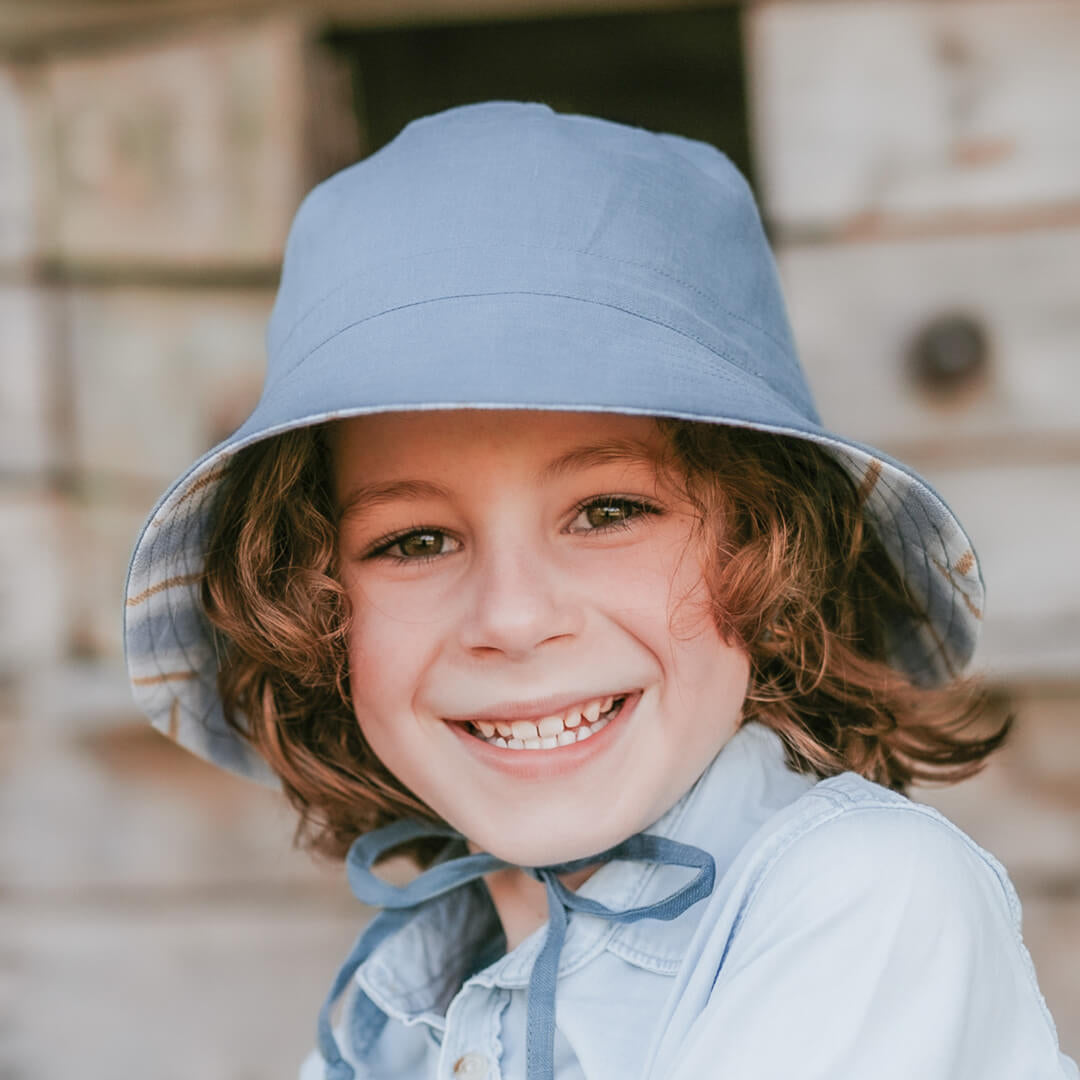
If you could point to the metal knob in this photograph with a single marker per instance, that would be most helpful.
(950, 354)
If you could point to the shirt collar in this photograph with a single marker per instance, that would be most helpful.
(414, 975)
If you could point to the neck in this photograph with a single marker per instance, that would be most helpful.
(521, 901)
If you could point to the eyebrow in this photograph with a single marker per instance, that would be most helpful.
(365, 497)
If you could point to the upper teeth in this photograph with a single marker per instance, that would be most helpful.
(547, 726)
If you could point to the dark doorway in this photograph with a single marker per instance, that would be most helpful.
(668, 71)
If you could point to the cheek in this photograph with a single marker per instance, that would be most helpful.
(385, 664)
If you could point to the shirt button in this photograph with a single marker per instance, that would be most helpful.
(471, 1067)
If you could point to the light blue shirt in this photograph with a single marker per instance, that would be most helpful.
(851, 933)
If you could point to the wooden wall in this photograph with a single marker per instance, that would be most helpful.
(918, 169)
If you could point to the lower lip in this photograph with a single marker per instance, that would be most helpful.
(543, 764)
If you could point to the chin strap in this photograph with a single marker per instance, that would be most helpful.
(401, 904)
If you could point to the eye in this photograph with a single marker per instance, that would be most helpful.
(606, 512)
(415, 546)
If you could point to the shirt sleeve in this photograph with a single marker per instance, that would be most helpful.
(882, 943)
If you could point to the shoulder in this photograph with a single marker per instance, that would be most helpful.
(849, 845)
(850, 836)
(870, 937)
(864, 875)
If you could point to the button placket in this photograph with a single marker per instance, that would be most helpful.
(472, 1066)
(469, 1049)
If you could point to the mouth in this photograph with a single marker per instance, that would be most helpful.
(564, 728)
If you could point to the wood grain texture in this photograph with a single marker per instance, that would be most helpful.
(1024, 521)
(22, 205)
(191, 992)
(857, 309)
(160, 375)
(186, 151)
(914, 108)
(26, 436)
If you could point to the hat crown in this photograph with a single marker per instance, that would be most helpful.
(509, 197)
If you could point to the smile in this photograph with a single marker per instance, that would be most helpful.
(571, 725)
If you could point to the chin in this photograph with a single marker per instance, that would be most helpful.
(550, 847)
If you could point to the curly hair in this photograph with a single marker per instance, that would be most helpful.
(797, 575)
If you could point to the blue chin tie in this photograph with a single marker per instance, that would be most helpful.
(400, 905)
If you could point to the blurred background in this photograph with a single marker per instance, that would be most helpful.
(918, 165)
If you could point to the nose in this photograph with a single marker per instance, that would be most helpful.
(517, 604)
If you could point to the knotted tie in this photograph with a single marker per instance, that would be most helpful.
(402, 904)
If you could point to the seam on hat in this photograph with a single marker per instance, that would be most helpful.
(523, 292)
(368, 271)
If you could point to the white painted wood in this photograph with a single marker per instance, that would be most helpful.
(856, 308)
(26, 443)
(102, 807)
(1025, 524)
(913, 108)
(33, 615)
(24, 25)
(20, 183)
(1024, 807)
(169, 991)
(161, 375)
(183, 151)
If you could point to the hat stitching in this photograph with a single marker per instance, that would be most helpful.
(369, 271)
(948, 575)
(908, 575)
(656, 320)
(167, 583)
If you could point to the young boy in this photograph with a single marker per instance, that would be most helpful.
(534, 560)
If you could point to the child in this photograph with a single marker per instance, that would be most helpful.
(534, 561)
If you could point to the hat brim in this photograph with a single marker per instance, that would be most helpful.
(512, 350)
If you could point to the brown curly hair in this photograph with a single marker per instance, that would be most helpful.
(798, 578)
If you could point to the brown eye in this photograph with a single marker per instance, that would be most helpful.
(602, 514)
(606, 513)
(419, 544)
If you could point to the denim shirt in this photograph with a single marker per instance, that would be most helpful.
(851, 933)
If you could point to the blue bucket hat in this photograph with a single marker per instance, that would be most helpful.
(503, 255)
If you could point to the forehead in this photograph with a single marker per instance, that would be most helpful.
(544, 440)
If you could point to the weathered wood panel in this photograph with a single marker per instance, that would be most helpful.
(161, 375)
(33, 614)
(1025, 524)
(1024, 807)
(20, 187)
(176, 991)
(98, 806)
(183, 151)
(61, 21)
(26, 437)
(858, 310)
(914, 108)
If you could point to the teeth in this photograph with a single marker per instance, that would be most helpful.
(550, 725)
(579, 723)
(524, 729)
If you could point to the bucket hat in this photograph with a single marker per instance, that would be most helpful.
(503, 255)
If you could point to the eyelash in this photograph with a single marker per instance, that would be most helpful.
(382, 546)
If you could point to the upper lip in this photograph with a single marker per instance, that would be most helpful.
(536, 708)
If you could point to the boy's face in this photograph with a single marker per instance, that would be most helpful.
(508, 566)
